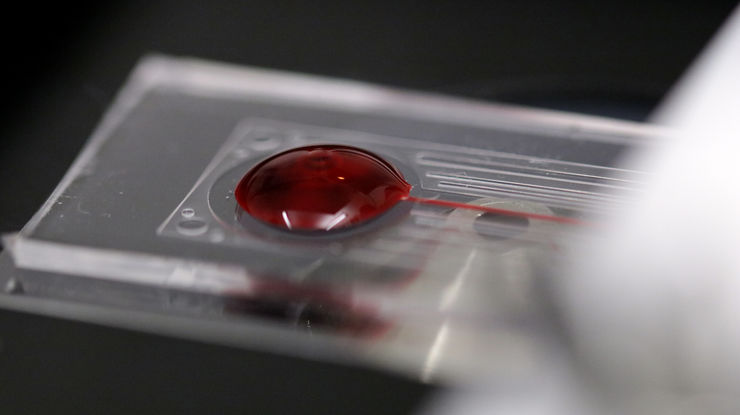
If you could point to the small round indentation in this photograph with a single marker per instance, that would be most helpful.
(500, 226)
(188, 212)
(264, 142)
(192, 227)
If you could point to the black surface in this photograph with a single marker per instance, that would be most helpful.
(61, 367)
(64, 63)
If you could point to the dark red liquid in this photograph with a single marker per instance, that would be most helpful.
(321, 188)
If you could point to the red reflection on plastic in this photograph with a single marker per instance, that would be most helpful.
(320, 188)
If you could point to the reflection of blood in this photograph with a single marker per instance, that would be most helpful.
(328, 187)
(308, 308)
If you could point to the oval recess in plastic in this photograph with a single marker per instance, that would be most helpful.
(321, 188)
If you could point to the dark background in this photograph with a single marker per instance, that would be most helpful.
(64, 63)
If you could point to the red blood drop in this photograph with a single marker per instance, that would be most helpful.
(320, 188)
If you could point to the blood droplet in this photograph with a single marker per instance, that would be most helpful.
(321, 188)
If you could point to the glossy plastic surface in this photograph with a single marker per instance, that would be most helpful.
(148, 219)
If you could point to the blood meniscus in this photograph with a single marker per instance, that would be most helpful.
(321, 188)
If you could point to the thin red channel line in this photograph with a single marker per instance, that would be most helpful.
(488, 209)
